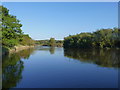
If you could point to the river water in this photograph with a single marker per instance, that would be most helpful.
(55, 67)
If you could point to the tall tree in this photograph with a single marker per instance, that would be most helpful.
(52, 42)
(11, 28)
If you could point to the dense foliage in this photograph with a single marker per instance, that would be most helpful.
(42, 42)
(12, 34)
(26, 40)
(103, 38)
(52, 42)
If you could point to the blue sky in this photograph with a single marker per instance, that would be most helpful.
(42, 20)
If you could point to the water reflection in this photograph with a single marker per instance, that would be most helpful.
(46, 48)
(103, 58)
(52, 50)
(12, 67)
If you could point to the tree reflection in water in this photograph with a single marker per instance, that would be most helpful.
(102, 57)
(46, 48)
(12, 67)
(52, 50)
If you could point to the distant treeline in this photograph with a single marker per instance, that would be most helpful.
(103, 38)
(10, 31)
(51, 42)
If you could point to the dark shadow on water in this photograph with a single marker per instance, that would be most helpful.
(101, 57)
(12, 67)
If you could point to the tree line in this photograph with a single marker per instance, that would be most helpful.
(10, 30)
(51, 42)
(103, 38)
(11, 35)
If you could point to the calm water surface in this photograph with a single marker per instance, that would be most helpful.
(49, 67)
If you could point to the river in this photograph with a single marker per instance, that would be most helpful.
(55, 67)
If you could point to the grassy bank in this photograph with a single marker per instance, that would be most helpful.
(6, 50)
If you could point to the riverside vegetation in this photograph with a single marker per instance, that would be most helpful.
(52, 42)
(103, 38)
(12, 35)
(71, 67)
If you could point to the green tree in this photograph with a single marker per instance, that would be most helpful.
(11, 28)
(26, 40)
(103, 38)
(52, 42)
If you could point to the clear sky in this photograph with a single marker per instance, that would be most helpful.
(42, 20)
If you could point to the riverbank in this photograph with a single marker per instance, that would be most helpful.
(15, 49)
